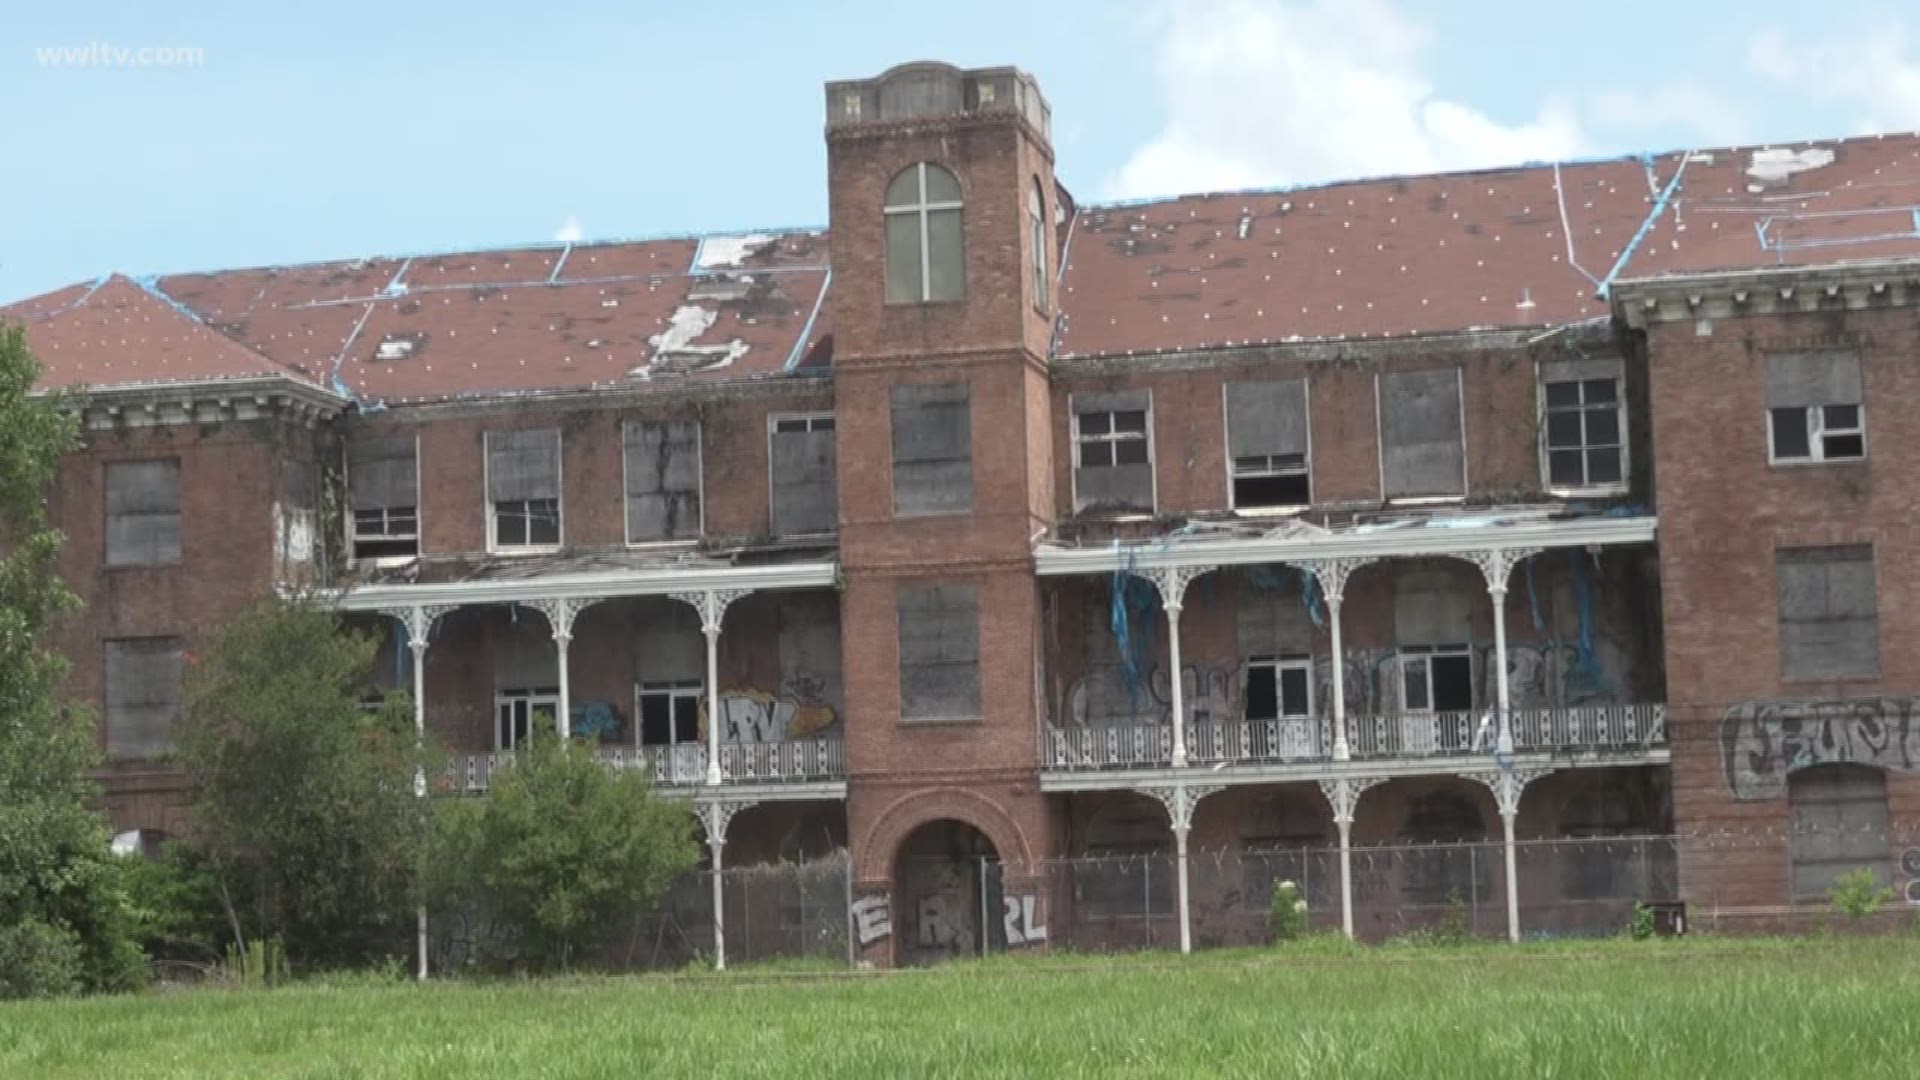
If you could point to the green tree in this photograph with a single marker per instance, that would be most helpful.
(64, 919)
(302, 796)
(561, 850)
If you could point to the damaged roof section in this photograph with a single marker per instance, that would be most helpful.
(553, 317)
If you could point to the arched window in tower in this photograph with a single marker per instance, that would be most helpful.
(1037, 240)
(926, 259)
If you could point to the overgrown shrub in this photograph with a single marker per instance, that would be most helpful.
(303, 797)
(63, 913)
(1642, 926)
(38, 959)
(1859, 894)
(1287, 913)
(178, 912)
(560, 850)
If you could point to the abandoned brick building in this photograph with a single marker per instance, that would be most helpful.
(1528, 503)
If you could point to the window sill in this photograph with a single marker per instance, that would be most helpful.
(900, 305)
(1829, 680)
(525, 549)
(142, 566)
(1815, 463)
(1272, 511)
(922, 515)
(384, 562)
(1604, 491)
(939, 721)
(664, 545)
(1426, 500)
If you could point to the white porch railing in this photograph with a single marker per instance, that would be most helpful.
(1403, 735)
(683, 765)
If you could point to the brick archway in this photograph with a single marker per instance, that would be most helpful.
(880, 842)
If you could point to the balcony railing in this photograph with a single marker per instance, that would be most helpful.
(684, 765)
(1404, 735)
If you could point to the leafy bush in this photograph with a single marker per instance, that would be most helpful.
(38, 959)
(177, 911)
(1287, 913)
(1642, 926)
(303, 798)
(1452, 927)
(1859, 894)
(559, 851)
(62, 909)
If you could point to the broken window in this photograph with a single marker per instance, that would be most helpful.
(143, 512)
(932, 449)
(1583, 424)
(1279, 687)
(925, 254)
(939, 652)
(143, 695)
(1436, 678)
(1813, 407)
(523, 488)
(1267, 444)
(668, 712)
(522, 711)
(1839, 825)
(1037, 239)
(383, 494)
(1112, 451)
(1422, 454)
(802, 463)
(1829, 618)
(663, 480)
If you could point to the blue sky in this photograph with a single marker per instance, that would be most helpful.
(318, 131)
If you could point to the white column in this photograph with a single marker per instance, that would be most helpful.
(417, 622)
(716, 816)
(1332, 574)
(1172, 582)
(1180, 877)
(563, 722)
(1180, 800)
(712, 605)
(711, 629)
(1497, 564)
(1343, 795)
(1507, 814)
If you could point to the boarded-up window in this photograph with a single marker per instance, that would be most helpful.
(1814, 410)
(1112, 451)
(383, 491)
(143, 512)
(1421, 448)
(810, 650)
(1267, 444)
(523, 487)
(668, 644)
(932, 449)
(803, 464)
(663, 480)
(1829, 620)
(1839, 826)
(939, 652)
(143, 695)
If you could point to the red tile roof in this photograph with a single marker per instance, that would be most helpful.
(1529, 246)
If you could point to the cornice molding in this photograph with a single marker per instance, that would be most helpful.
(203, 401)
(1778, 290)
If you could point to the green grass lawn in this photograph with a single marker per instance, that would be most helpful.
(1743, 1009)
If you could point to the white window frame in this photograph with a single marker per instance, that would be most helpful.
(1817, 430)
(1610, 487)
(352, 522)
(494, 546)
(1288, 662)
(1425, 655)
(531, 697)
(774, 420)
(700, 466)
(1112, 439)
(924, 210)
(674, 690)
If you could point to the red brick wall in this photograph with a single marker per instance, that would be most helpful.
(1724, 511)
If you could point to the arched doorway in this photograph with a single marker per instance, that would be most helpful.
(948, 875)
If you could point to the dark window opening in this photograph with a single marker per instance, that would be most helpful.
(1269, 491)
(526, 522)
(669, 714)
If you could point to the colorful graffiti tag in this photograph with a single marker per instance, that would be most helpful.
(1761, 742)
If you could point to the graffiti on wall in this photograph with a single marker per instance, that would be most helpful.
(1539, 675)
(1019, 922)
(1761, 742)
(872, 919)
(749, 716)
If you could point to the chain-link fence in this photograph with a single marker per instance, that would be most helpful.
(1756, 881)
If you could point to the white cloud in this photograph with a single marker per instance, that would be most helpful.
(569, 231)
(1875, 72)
(1705, 115)
(1271, 92)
